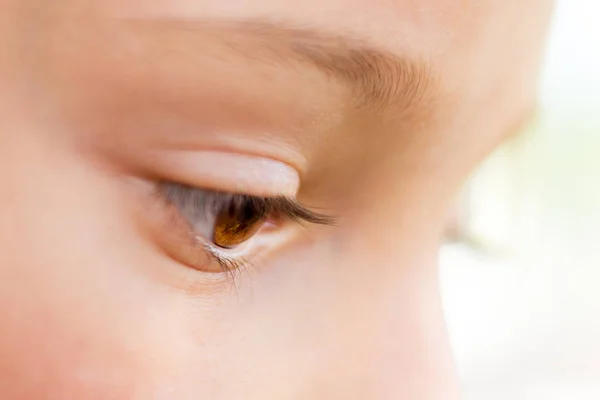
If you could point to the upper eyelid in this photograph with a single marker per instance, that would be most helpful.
(255, 175)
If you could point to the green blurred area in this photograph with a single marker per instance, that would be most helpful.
(541, 189)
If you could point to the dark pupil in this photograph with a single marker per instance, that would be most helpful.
(238, 221)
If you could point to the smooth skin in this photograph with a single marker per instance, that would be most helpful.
(374, 111)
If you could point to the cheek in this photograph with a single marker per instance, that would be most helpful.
(51, 353)
(78, 320)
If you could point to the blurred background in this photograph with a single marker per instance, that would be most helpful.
(521, 277)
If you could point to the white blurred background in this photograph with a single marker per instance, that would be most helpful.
(522, 288)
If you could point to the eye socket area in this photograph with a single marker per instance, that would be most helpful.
(213, 231)
(204, 230)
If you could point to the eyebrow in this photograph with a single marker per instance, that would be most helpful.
(377, 78)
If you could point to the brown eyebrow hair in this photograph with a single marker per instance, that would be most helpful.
(377, 77)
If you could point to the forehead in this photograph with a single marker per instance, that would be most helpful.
(401, 25)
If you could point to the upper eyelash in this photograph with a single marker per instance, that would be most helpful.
(210, 200)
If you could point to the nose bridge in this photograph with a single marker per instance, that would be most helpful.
(359, 317)
(392, 341)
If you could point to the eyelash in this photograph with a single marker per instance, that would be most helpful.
(195, 203)
(227, 264)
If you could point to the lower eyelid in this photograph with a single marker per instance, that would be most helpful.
(227, 262)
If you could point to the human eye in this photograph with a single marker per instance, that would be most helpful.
(215, 231)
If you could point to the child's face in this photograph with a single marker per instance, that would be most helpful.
(124, 276)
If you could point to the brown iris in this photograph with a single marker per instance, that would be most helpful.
(238, 221)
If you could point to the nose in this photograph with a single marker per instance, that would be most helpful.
(350, 320)
(393, 342)
(377, 328)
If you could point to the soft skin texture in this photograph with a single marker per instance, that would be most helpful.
(100, 99)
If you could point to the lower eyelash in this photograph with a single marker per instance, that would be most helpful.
(228, 264)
